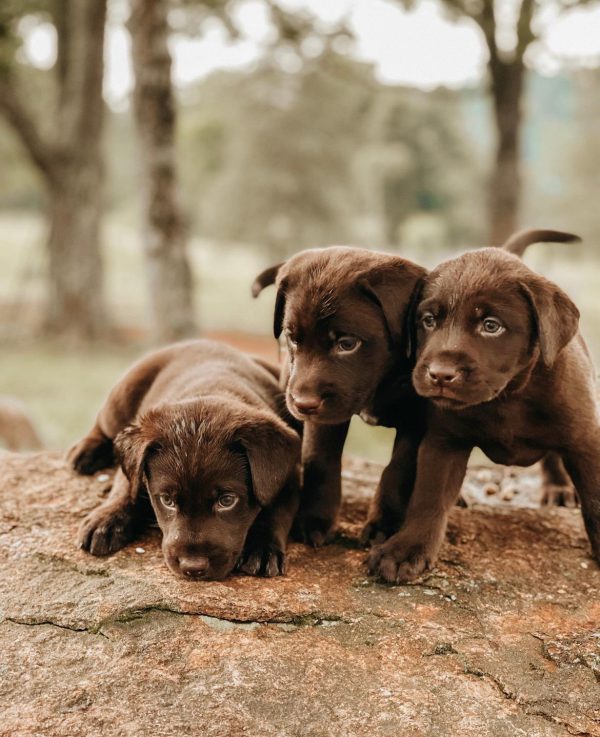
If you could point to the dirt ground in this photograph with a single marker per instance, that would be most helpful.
(501, 639)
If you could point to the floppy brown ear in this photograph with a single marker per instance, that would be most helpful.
(265, 279)
(410, 323)
(273, 451)
(392, 287)
(555, 316)
(132, 447)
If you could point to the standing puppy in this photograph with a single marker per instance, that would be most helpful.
(500, 360)
(343, 313)
(201, 430)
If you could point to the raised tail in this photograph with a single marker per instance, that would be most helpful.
(519, 242)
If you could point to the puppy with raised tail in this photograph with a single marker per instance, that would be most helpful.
(202, 435)
(503, 367)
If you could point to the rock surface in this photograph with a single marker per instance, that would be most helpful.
(502, 639)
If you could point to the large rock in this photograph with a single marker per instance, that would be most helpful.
(502, 639)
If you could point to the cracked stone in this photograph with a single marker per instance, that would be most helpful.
(118, 646)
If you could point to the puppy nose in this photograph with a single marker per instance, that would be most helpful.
(442, 373)
(307, 404)
(193, 567)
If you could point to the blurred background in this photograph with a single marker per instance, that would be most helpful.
(156, 154)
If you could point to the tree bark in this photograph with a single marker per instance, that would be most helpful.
(71, 165)
(164, 231)
(505, 181)
(75, 264)
(507, 73)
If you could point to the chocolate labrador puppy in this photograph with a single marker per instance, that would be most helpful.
(503, 367)
(201, 432)
(342, 311)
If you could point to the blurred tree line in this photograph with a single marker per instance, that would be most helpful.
(304, 148)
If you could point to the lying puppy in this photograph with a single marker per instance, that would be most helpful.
(500, 360)
(202, 429)
(342, 312)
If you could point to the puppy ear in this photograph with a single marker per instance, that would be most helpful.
(555, 316)
(132, 447)
(392, 287)
(273, 451)
(265, 279)
(410, 323)
(279, 309)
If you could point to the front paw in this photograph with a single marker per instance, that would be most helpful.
(106, 530)
(554, 495)
(91, 454)
(267, 560)
(313, 529)
(375, 532)
(400, 559)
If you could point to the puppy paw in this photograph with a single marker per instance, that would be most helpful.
(313, 530)
(91, 454)
(554, 495)
(400, 560)
(268, 560)
(106, 530)
(375, 532)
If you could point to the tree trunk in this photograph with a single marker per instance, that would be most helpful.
(71, 165)
(164, 231)
(75, 299)
(75, 302)
(505, 184)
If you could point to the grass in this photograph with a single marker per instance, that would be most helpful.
(64, 385)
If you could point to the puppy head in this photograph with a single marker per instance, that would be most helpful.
(343, 313)
(209, 467)
(484, 320)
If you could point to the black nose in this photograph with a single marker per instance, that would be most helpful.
(307, 404)
(442, 373)
(194, 567)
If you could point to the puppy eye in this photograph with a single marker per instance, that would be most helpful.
(227, 501)
(491, 326)
(428, 321)
(167, 501)
(347, 344)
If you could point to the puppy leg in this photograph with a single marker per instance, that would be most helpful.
(95, 451)
(440, 473)
(114, 523)
(321, 495)
(389, 504)
(265, 549)
(557, 487)
(583, 465)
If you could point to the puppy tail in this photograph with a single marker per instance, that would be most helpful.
(265, 279)
(519, 242)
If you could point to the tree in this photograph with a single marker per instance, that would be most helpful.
(506, 71)
(286, 177)
(66, 153)
(164, 230)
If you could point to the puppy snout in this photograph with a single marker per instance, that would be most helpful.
(442, 374)
(195, 567)
(307, 404)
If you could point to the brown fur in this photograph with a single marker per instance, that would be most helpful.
(195, 425)
(519, 393)
(326, 299)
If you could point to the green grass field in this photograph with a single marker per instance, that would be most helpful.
(64, 385)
